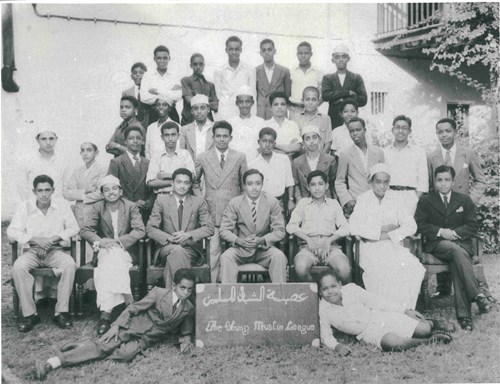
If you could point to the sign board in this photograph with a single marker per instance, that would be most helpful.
(257, 314)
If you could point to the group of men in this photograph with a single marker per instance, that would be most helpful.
(243, 182)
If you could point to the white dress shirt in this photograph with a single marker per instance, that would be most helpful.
(363, 156)
(269, 72)
(154, 142)
(164, 85)
(341, 139)
(288, 133)
(341, 78)
(313, 163)
(408, 167)
(277, 173)
(246, 134)
(163, 162)
(201, 136)
(312, 77)
(453, 151)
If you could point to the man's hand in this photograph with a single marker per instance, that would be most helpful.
(180, 237)
(352, 93)
(108, 243)
(342, 349)
(312, 246)
(323, 251)
(349, 207)
(112, 333)
(140, 203)
(291, 206)
(164, 175)
(449, 234)
(43, 242)
(414, 314)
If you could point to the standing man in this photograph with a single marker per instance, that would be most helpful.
(42, 225)
(407, 164)
(252, 223)
(161, 82)
(223, 169)
(304, 75)
(271, 77)
(231, 77)
(341, 85)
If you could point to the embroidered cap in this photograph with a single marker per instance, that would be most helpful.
(42, 128)
(341, 48)
(379, 167)
(310, 129)
(244, 90)
(199, 99)
(109, 179)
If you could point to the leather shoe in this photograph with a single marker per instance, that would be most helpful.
(63, 320)
(27, 323)
(42, 368)
(483, 304)
(440, 326)
(103, 326)
(466, 323)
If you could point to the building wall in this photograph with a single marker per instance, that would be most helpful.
(71, 73)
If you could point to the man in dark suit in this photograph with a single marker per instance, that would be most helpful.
(131, 169)
(163, 311)
(271, 77)
(341, 85)
(251, 224)
(448, 221)
(178, 221)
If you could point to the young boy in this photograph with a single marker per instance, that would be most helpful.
(136, 73)
(303, 75)
(131, 169)
(178, 222)
(222, 169)
(112, 237)
(341, 139)
(354, 166)
(288, 140)
(163, 311)
(373, 319)
(271, 77)
(319, 223)
(311, 116)
(154, 143)
(276, 168)
(246, 127)
(196, 137)
(196, 84)
(341, 85)
(128, 109)
(164, 163)
(313, 159)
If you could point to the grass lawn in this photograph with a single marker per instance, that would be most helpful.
(471, 357)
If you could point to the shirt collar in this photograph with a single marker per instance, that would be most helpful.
(251, 201)
(165, 153)
(311, 201)
(452, 149)
(32, 207)
(241, 64)
(132, 156)
(220, 153)
(198, 77)
(174, 297)
(442, 196)
(311, 68)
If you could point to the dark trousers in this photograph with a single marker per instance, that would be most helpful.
(462, 273)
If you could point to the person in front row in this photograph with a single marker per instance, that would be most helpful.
(373, 319)
(354, 166)
(222, 169)
(382, 221)
(112, 228)
(142, 324)
(319, 223)
(178, 221)
(42, 224)
(448, 221)
(251, 224)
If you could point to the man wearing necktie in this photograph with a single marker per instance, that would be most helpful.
(251, 224)
(448, 221)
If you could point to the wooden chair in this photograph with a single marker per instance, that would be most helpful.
(86, 272)
(154, 274)
(40, 272)
(347, 248)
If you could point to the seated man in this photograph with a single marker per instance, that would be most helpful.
(319, 222)
(163, 311)
(373, 319)
(448, 221)
(178, 221)
(112, 227)
(251, 224)
(42, 224)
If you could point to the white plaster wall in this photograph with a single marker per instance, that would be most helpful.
(71, 73)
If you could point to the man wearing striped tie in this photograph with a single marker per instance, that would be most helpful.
(251, 224)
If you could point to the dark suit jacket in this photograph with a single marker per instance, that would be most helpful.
(221, 185)
(142, 111)
(119, 137)
(460, 216)
(334, 93)
(133, 182)
(300, 168)
(152, 318)
(98, 224)
(466, 163)
(280, 81)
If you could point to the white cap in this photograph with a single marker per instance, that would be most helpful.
(109, 179)
(166, 98)
(379, 167)
(310, 129)
(199, 99)
(42, 128)
(244, 90)
(341, 48)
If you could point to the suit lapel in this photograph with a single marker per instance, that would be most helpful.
(186, 213)
(261, 73)
(323, 163)
(459, 161)
(121, 218)
(454, 203)
(128, 166)
(348, 80)
(214, 162)
(437, 203)
(372, 157)
(356, 160)
(246, 213)
(262, 213)
(229, 164)
(174, 212)
(106, 217)
(209, 142)
(191, 137)
(304, 165)
(275, 77)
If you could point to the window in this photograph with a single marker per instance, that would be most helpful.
(378, 100)
(460, 113)
(419, 12)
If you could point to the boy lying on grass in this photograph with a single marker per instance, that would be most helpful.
(373, 319)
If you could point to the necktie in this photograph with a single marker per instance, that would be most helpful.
(180, 211)
(176, 305)
(445, 200)
(222, 161)
(447, 159)
(139, 94)
(254, 212)
(137, 165)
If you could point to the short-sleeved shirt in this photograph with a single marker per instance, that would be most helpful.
(246, 135)
(300, 80)
(163, 162)
(288, 133)
(277, 173)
